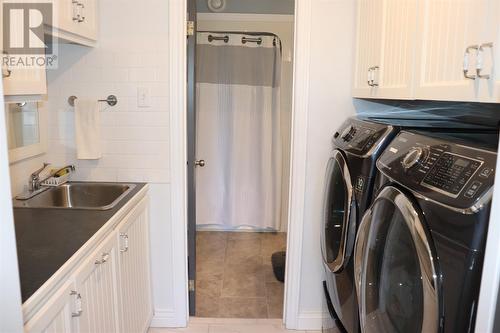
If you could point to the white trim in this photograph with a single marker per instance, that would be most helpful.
(164, 318)
(244, 17)
(488, 294)
(298, 164)
(309, 320)
(177, 10)
(177, 40)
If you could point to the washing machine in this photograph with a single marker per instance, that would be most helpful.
(347, 194)
(420, 245)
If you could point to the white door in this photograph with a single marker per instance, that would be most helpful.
(134, 276)
(58, 314)
(490, 56)
(368, 47)
(450, 31)
(96, 286)
(398, 46)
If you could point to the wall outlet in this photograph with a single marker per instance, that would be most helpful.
(143, 97)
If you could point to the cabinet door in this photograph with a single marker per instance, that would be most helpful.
(76, 20)
(21, 81)
(368, 46)
(56, 316)
(449, 27)
(490, 55)
(399, 33)
(134, 271)
(96, 283)
(87, 26)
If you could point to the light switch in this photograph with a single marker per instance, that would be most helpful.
(143, 97)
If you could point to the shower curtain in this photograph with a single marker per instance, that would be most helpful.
(238, 131)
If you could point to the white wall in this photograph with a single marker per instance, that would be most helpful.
(330, 102)
(283, 27)
(132, 52)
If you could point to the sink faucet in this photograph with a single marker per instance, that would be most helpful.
(35, 183)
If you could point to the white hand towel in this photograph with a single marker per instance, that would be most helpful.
(87, 130)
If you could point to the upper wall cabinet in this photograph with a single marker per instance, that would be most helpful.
(385, 51)
(75, 21)
(449, 53)
(452, 50)
(19, 82)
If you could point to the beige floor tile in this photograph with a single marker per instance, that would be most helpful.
(193, 328)
(238, 250)
(209, 287)
(242, 272)
(208, 307)
(236, 307)
(238, 284)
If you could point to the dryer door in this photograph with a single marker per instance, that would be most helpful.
(396, 268)
(339, 215)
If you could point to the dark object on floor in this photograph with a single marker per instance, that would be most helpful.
(278, 260)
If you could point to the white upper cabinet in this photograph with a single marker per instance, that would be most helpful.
(368, 41)
(396, 73)
(75, 21)
(429, 50)
(451, 34)
(19, 81)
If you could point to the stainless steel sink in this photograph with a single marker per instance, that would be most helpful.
(79, 195)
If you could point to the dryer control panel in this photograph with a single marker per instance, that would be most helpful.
(449, 172)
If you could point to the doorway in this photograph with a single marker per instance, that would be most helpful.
(239, 123)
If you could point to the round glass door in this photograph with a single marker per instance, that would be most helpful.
(395, 268)
(337, 231)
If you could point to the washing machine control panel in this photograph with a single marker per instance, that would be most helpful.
(360, 137)
(445, 171)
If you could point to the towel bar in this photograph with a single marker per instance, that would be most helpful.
(111, 100)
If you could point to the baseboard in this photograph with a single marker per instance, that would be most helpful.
(309, 320)
(166, 318)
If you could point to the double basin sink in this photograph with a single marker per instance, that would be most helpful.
(78, 195)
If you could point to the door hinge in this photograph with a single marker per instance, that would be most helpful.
(191, 285)
(190, 28)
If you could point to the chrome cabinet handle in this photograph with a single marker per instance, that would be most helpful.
(7, 70)
(376, 70)
(466, 61)
(78, 304)
(370, 79)
(124, 236)
(76, 15)
(480, 63)
(200, 163)
(82, 12)
(104, 259)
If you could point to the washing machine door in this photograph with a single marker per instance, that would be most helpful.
(396, 269)
(339, 215)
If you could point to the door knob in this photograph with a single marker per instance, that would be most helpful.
(200, 163)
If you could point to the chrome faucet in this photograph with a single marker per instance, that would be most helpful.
(35, 183)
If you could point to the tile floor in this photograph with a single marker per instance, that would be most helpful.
(216, 325)
(235, 277)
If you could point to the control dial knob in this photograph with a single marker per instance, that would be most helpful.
(415, 156)
(348, 133)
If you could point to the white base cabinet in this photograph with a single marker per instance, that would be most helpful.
(133, 267)
(109, 290)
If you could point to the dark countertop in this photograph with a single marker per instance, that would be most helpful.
(47, 238)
